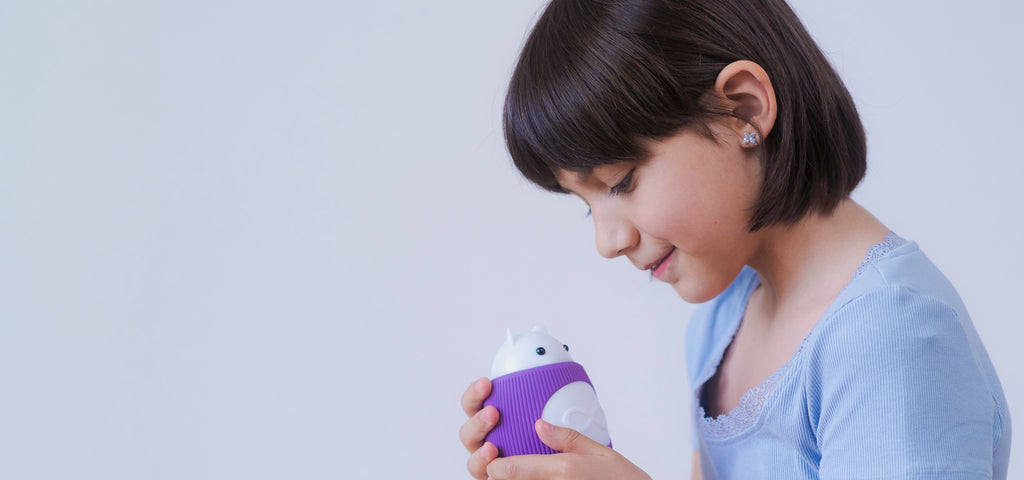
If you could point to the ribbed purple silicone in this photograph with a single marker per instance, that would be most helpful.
(520, 398)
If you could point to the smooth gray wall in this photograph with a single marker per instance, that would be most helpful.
(263, 240)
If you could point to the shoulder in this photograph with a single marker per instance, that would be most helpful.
(888, 325)
(896, 360)
(902, 268)
(895, 304)
(897, 308)
(898, 337)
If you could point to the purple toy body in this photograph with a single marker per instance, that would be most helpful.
(520, 398)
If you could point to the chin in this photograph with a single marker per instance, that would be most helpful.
(701, 291)
(696, 295)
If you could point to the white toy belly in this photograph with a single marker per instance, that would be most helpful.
(575, 406)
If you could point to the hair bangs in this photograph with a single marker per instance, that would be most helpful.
(591, 101)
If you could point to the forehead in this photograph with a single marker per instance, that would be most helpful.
(599, 177)
(573, 176)
(570, 180)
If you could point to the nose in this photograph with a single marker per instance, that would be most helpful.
(614, 234)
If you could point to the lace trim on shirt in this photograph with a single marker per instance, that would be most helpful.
(747, 412)
(744, 415)
(879, 250)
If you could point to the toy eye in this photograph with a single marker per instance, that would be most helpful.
(541, 351)
(566, 347)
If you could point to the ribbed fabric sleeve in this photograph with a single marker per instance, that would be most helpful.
(927, 411)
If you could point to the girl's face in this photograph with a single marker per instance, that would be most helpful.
(682, 213)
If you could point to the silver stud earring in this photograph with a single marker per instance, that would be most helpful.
(751, 139)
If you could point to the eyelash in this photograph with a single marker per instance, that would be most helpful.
(625, 186)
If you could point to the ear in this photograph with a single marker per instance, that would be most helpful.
(748, 92)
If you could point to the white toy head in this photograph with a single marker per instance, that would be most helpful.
(528, 350)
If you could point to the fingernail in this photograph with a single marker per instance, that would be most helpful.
(545, 426)
(480, 387)
(487, 416)
(490, 452)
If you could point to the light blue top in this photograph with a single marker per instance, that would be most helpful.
(891, 383)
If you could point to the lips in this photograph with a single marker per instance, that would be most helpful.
(659, 268)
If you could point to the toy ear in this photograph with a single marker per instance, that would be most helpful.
(539, 329)
(508, 337)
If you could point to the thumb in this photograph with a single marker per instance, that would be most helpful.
(565, 440)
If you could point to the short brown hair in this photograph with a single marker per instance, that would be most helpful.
(598, 77)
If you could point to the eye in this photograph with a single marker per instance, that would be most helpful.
(624, 186)
(566, 347)
(541, 351)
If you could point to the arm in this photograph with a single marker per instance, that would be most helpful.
(696, 466)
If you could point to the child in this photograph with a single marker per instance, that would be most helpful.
(717, 148)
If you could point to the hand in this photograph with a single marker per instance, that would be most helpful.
(475, 430)
(581, 458)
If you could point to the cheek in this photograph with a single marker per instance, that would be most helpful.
(666, 217)
(675, 211)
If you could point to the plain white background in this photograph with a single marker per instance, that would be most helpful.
(264, 240)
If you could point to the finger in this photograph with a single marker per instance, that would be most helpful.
(475, 430)
(479, 459)
(566, 439)
(475, 395)
(531, 467)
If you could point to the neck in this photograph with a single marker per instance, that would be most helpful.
(804, 265)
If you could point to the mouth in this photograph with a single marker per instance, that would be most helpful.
(661, 265)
